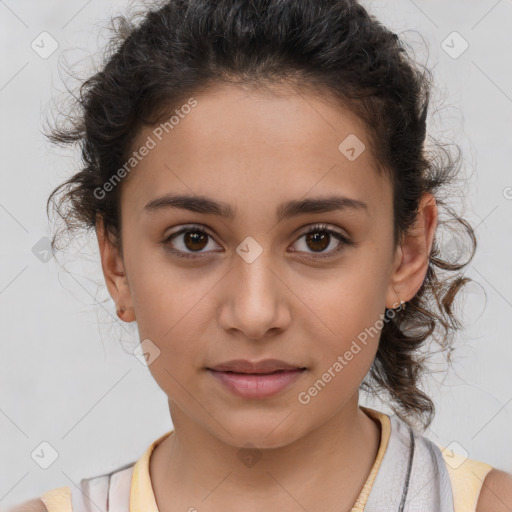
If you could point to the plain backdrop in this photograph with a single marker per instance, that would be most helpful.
(71, 390)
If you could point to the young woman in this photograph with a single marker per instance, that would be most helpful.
(265, 205)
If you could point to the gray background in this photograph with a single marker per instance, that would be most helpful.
(67, 377)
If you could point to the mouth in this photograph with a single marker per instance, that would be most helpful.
(258, 385)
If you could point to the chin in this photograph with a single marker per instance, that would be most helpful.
(259, 434)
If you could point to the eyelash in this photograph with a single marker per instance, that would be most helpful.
(323, 228)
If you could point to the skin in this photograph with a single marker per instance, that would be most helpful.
(254, 150)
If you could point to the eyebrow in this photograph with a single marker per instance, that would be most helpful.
(206, 205)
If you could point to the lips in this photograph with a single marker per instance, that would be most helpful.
(252, 386)
(266, 366)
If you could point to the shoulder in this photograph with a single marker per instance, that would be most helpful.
(496, 492)
(35, 505)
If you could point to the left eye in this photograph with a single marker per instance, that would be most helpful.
(195, 239)
(320, 237)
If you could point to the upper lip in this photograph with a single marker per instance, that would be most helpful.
(245, 366)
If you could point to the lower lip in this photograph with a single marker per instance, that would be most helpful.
(249, 385)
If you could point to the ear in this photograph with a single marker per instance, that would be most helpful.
(114, 273)
(412, 258)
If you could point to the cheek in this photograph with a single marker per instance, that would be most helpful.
(345, 317)
(173, 310)
(172, 324)
(342, 357)
(171, 313)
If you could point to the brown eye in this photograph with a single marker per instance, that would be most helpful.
(195, 240)
(318, 241)
(318, 238)
(187, 241)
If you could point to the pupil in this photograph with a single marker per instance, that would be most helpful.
(319, 236)
(195, 237)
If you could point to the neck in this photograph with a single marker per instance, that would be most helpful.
(326, 467)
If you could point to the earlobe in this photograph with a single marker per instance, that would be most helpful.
(114, 273)
(414, 251)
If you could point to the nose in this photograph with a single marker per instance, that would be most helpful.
(256, 299)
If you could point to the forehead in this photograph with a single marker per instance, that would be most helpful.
(261, 146)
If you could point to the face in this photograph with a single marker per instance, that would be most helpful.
(206, 288)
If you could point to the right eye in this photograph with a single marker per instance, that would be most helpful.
(194, 240)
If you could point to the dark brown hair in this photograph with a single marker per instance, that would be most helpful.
(165, 54)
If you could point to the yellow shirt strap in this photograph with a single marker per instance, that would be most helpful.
(467, 477)
(385, 432)
(142, 497)
(57, 500)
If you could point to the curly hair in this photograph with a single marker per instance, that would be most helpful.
(159, 56)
